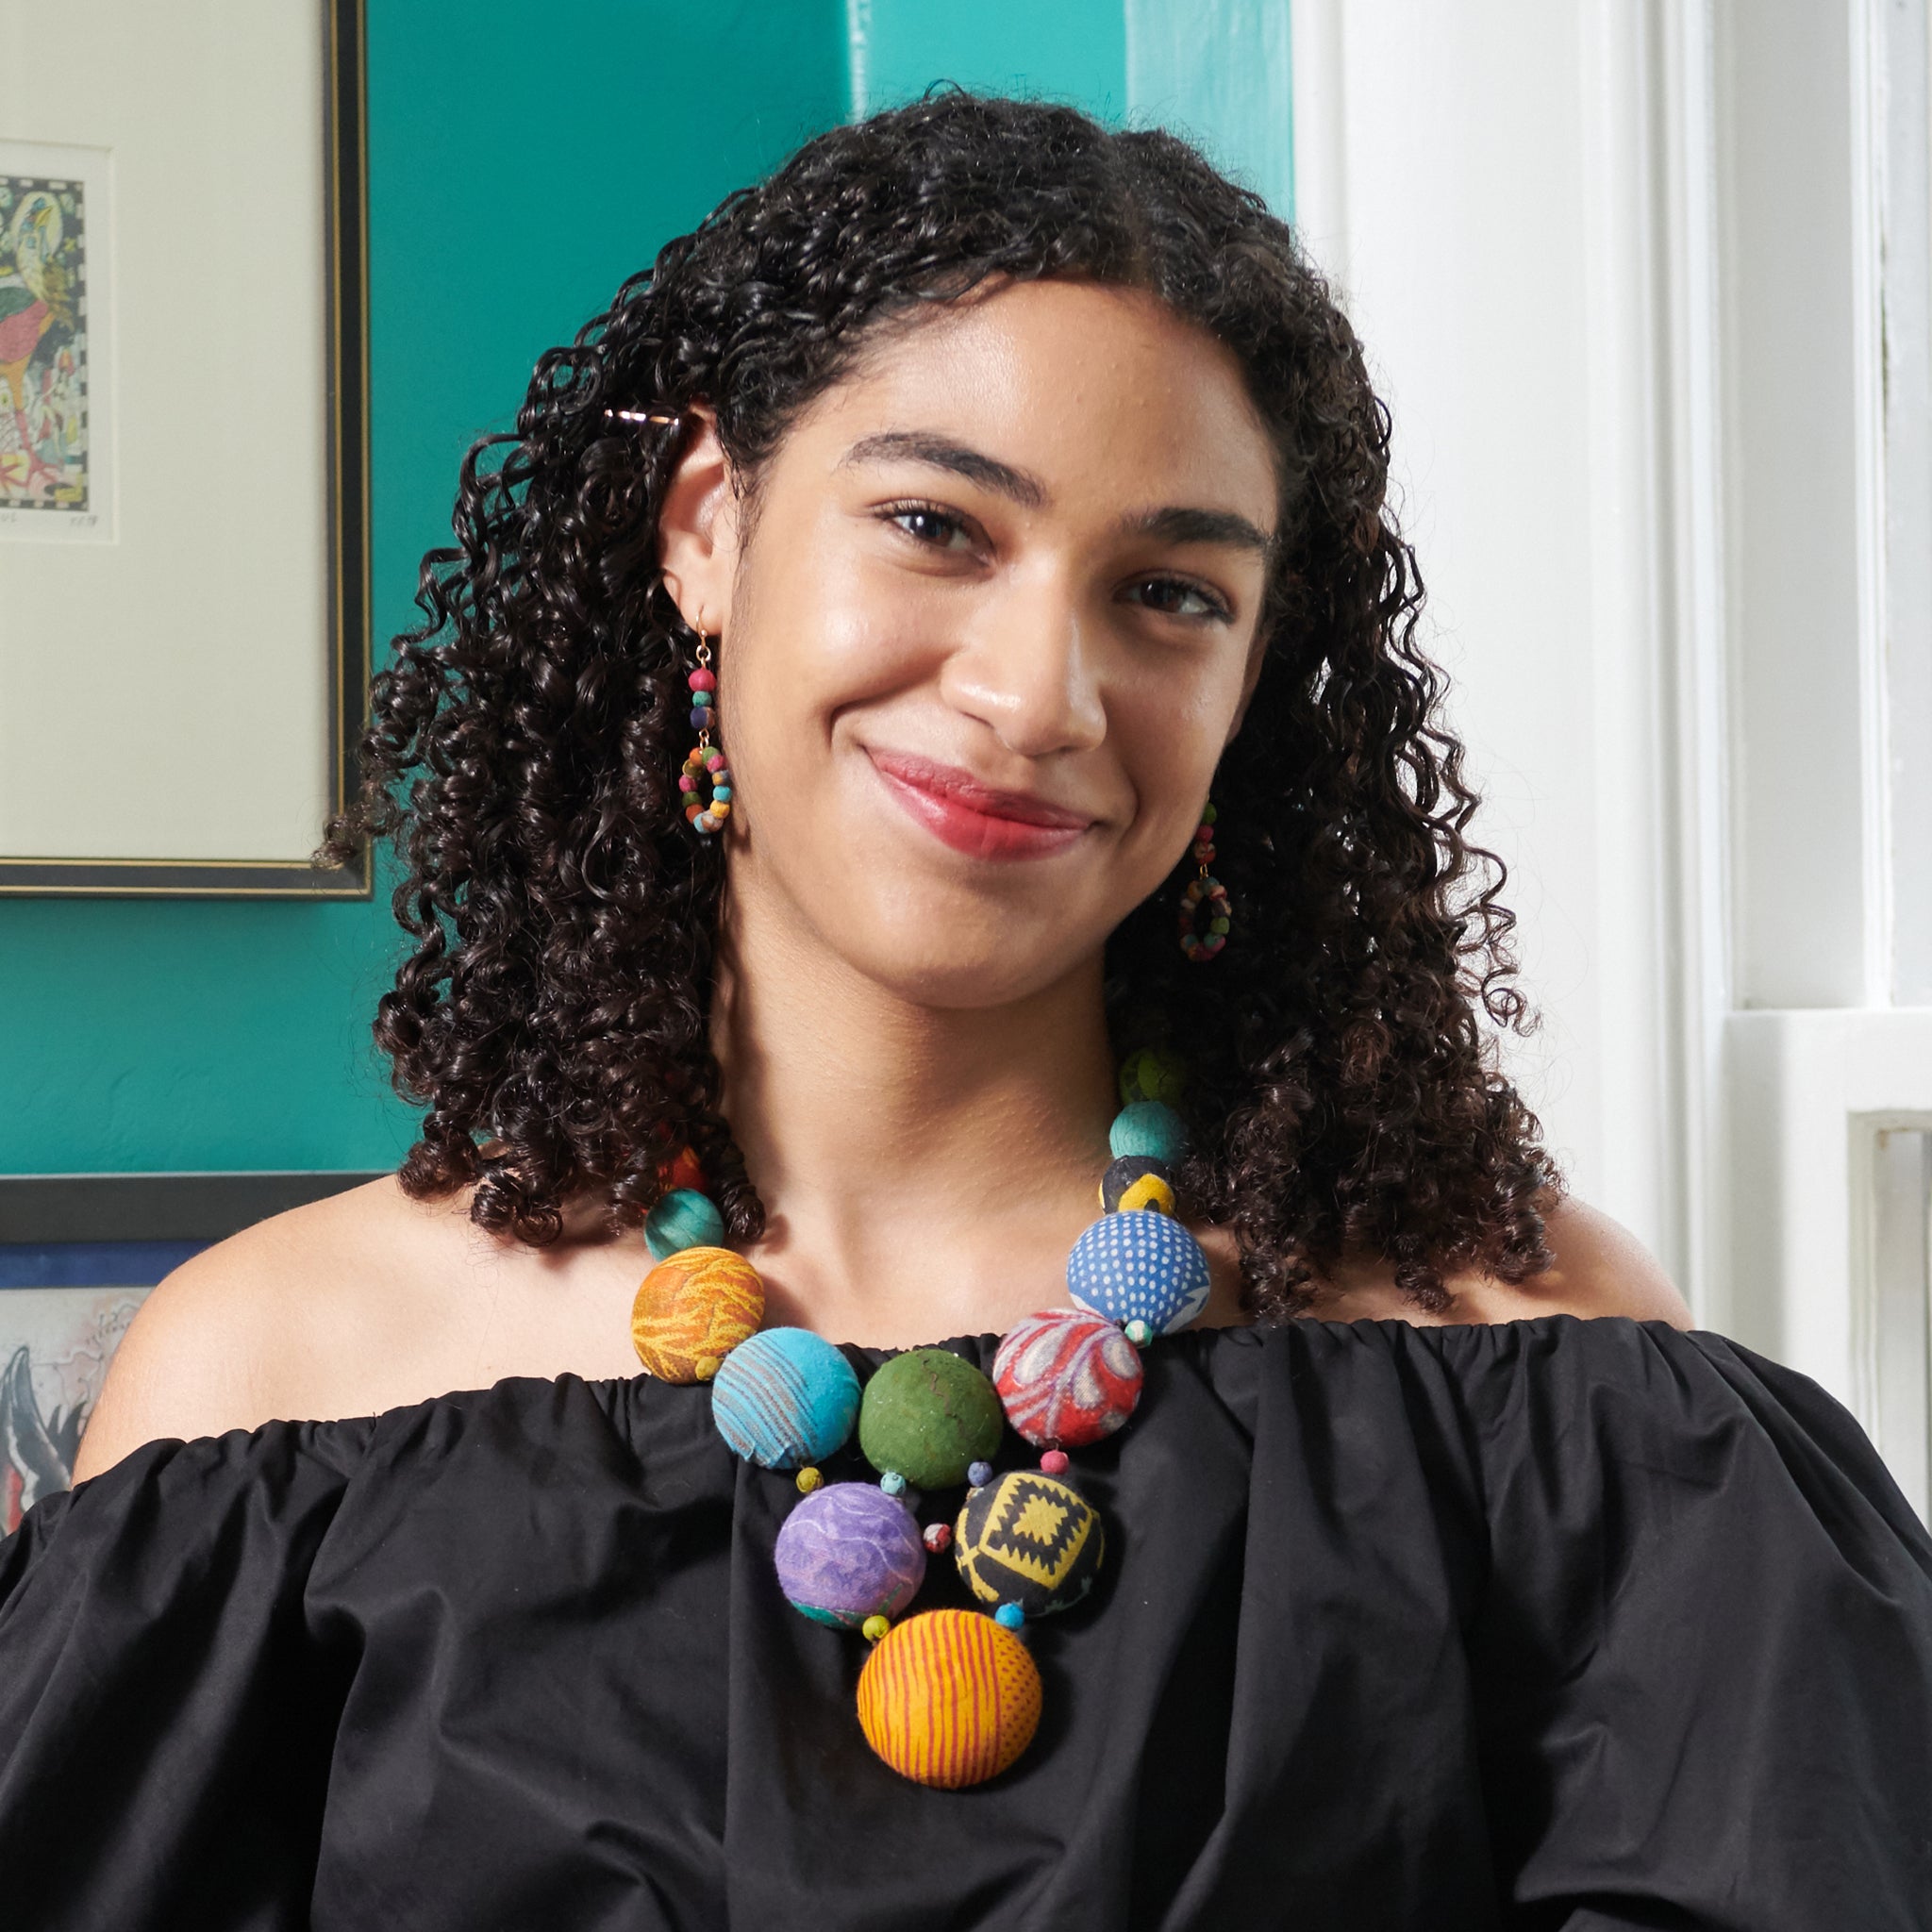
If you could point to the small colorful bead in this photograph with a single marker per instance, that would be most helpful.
(1139, 1267)
(785, 1397)
(938, 1535)
(692, 1310)
(682, 1219)
(1066, 1377)
(1028, 1538)
(848, 1553)
(929, 1414)
(979, 1473)
(893, 1483)
(1009, 1617)
(875, 1628)
(808, 1479)
(1054, 1462)
(949, 1698)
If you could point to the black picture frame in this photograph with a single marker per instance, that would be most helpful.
(342, 24)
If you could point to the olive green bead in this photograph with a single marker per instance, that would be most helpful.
(1152, 1073)
(928, 1415)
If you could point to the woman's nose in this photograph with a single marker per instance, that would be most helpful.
(1030, 670)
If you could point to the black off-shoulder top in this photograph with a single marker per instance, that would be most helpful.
(1552, 1623)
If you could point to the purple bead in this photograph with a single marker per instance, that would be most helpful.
(700, 717)
(849, 1552)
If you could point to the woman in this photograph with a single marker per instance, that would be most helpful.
(1022, 487)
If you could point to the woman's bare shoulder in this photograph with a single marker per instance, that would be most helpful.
(273, 1321)
(1598, 1268)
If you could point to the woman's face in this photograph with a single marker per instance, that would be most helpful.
(995, 620)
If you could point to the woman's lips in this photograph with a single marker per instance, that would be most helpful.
(975, 818)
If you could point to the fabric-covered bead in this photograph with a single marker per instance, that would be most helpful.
(808, 1479)
(1140, 1266)
(849, 1552)
(1153, 1072)
(1066, 1377)
(929, 1414)
(682, 1170)
(785, 1397)
(1150, 1128)
(949, 1698)
(977, 1472)
(1137, 1180)
(1009, 1617)
(876, 1627)
(1028, 1538)
(682, 1219)
(1054, 1462)
(938, 1535)
(692, 1310)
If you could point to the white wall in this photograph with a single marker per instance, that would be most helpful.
(1648, 284)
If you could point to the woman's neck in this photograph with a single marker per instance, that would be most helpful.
(923, 1169)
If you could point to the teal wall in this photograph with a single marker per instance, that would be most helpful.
(512, 186)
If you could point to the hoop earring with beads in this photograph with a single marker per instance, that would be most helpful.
(1203, 891)
(703, 764)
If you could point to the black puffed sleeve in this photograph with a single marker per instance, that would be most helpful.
(167, 1712)
(1704, 1651)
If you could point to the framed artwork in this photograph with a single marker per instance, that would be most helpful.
(78, 1255)
(183, 448)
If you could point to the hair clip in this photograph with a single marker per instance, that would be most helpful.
(639, 416)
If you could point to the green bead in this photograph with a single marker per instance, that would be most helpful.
(1150, 1128)
(1208, 814)
(928, 1415)
(1217, 926)
(682, 1219)
(1152, 1073)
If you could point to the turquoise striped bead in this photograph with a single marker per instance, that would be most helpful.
(785, 1397)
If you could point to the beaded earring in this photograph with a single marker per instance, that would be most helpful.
(703, 764)
(1206, 890)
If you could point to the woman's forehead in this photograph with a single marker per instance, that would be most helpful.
(1077, 387)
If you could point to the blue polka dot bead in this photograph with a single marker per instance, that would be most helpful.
(785, 1397)
(1140, 1267)
(1150, 1128)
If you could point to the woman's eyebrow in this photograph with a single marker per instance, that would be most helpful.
(1175, 524)
(1171, 524)
(943, 453)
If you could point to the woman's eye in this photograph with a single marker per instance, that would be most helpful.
(1171, 597)
(927, 524)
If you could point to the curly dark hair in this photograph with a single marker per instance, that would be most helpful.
(551, 1017)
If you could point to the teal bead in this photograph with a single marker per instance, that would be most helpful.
(1150, 1128)
(683, 1219)
(719, 791)
(701, 697)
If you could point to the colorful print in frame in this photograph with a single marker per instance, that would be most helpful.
(44, 345)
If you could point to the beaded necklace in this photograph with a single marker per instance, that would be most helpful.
(946, 1697)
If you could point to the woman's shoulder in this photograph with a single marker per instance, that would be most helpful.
(1598, 1268)
(345, 1307)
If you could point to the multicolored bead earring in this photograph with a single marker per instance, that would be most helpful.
(703, 764)
(1206, 890)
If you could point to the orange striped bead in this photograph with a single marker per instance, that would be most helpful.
(692, 1310)
(949, 1698)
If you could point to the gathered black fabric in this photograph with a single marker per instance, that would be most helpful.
(1552, 1623)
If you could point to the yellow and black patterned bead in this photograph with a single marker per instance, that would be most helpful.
(1137, 1180)
(1030, 1539)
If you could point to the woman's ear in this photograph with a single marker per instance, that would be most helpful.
(697, 526)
